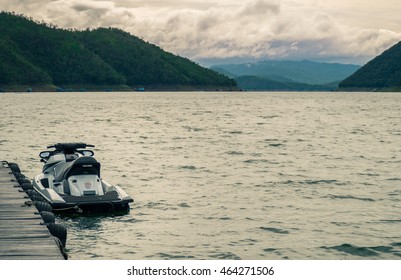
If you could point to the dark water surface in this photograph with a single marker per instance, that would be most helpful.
(227, 175)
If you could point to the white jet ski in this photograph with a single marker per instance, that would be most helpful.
(70, 182)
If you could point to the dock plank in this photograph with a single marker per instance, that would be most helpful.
(44, 248)
(23, 236)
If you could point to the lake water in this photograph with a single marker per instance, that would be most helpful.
(226, 175)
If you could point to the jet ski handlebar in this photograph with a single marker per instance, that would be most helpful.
(70, 146)
(66, 148)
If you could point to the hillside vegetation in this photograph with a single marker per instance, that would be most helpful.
(33, 53)
(383, 73)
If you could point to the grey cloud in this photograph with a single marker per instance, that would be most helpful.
(206, 23)
(256, 7)
(253, 29)
(225, 33)
(82, 7)
(170, 4)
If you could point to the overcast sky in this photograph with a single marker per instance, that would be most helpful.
(350, 31)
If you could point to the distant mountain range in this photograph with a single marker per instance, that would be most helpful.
(383, 73)
(40, 55)
(287, 75)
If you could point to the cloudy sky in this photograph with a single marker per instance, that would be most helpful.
(349, 31)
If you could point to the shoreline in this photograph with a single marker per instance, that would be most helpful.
(111, 88)
(159, 88)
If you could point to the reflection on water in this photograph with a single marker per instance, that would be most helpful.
(226, 175)
(84, 223)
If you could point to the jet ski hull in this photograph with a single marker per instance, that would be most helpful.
(61, 203)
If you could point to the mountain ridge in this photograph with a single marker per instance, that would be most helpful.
(42, 55)
(287, 74)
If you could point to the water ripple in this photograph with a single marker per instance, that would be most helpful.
(354, 250)
(275, 230)
(349, 197)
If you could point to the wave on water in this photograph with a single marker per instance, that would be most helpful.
(317, 182)
(275, 230)
(393, 179)
(166, 256)
(190, 167)
(225, 256)
(235, 153)
(375, 251)
(314, 182)
(349, 197)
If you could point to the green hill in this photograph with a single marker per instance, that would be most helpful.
(383, 73)
(38, 54)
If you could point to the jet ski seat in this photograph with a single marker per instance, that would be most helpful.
(85, 165)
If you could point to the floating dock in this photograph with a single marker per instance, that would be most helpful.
(23, 233)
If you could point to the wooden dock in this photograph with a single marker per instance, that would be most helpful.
(23, 235)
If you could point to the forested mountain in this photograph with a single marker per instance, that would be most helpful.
(33, 53)
(304, 72)
(383, 73)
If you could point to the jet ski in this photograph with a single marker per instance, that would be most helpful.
(70, 182)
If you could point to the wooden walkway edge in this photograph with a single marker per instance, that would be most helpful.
(23, 235)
